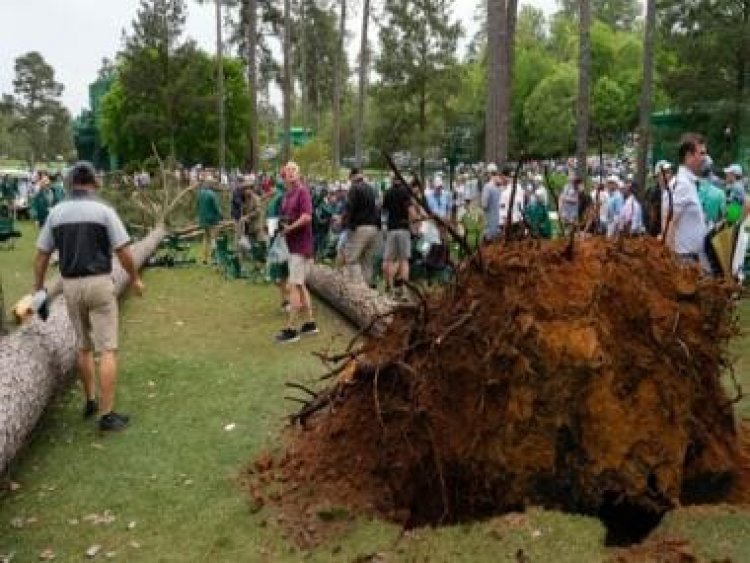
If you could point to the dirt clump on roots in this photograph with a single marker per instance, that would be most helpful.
(587, 381)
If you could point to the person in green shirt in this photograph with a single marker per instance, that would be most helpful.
(58, 190)
(5, 187)
(537, 217)
(43, 201)
(209, 214)
(273, 209)
(277, 273)
(713, 200)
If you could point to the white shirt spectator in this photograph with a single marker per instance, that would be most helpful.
(688, 222)
(517, 213)
(631, 215)
(603, 203)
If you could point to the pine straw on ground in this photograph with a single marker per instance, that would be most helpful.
(587, 381)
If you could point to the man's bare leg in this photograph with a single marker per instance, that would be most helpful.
(86, 372)
(108, 380)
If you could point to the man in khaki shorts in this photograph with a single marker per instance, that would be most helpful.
(85, 232)
(296, 213)
(401, 212)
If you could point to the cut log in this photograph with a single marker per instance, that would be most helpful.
(356, 302)
(35, 360)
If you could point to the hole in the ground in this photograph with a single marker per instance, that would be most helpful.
(627, 523)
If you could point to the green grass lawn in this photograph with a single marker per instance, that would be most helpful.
(16, 273)
(205, 383)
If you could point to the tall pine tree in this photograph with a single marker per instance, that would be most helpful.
(417, 66)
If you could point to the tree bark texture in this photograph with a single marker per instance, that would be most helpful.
(286, 150)
(252, 79)
(496, 136)
(584, 70)
(356, 302)
(363, 71)
(35, 359)
(220, 89)
(509, 38)
(644, 127)
(338, 79)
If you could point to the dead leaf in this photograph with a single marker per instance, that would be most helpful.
(134, 544)
(47, 555)
(110, 554)
(131, 525)
(17, 523)
(7, 557)
(93, 551)
(73, 521)
(230, 427)
(14, 486)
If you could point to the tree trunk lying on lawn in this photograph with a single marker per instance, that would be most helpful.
(35, 359)
(359, 304)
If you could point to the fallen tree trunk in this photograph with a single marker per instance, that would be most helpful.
(35, 359)
(359, 304)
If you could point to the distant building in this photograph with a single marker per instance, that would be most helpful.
(86, 135)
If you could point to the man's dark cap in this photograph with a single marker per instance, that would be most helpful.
(82, 174)
(354, 172)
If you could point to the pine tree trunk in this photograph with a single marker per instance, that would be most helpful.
(644, 129)
(338, 79)
(286, 150)
(506, 85)
(35, 360)
(359, 304)
(496, 136)
(584, 69)
(363, 71)
(220, 89)
(252, 79)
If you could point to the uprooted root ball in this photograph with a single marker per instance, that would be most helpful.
(590, 384)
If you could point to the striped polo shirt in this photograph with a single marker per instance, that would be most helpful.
(85, 231)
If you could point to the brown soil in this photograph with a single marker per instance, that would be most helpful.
(658, 550)
(588, 383)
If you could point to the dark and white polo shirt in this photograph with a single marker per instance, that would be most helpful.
(85, 231)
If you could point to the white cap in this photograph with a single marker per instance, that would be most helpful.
(612, 179)
(662, 165)
(492, 168)
(735, 170)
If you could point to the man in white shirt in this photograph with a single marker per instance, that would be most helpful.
(630, 221)
(516, 207)
(600, 197)
(687, 232)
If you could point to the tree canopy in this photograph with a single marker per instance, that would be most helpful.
(164, 94)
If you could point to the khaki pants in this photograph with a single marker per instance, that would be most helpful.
(359, 252)
(92, 308)
(209, 241)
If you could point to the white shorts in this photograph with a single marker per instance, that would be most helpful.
(299, 268)
(272, 224)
